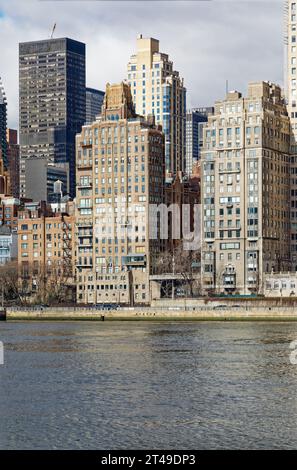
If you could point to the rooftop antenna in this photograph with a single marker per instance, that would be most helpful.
(227, 87)
(53, 30)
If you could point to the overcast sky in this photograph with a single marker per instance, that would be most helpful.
(208, 41)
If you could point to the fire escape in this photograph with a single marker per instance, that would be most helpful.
(67, 252)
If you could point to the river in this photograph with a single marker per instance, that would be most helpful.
(147, 385)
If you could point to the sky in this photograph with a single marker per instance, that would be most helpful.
(209, 41)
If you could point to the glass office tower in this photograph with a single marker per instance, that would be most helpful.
(52, 104)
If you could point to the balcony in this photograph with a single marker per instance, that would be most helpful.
(84, 165)
(231, 171)
(87, 143)
(84, 207)
(84, 266)
(83, 244)
(84, 186)
(85, 224)
(84, 235)
(134, 260)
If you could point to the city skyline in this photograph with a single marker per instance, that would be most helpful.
(211, 59)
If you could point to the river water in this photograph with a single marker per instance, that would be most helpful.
(148, 385)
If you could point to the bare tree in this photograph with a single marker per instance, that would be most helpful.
(186, 264)
(10, 283)
(46, 284)
(35, 283)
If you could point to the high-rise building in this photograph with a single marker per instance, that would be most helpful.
(291, 98)
(245, 190)
(94, 102)
(159, 90)
(41, 176)
(120, 172)
(195, 121)
(3, 124)
(52, 102)
(13, 161)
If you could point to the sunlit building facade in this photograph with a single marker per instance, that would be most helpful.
(245, 191)
(52, 102)
(120, 172)
(158, 89)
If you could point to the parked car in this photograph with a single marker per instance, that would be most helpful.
(220, 307)
(180, 292)
(107, 306)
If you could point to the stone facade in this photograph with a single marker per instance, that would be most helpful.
(245, 187)
(280, 284)
(290, 35)
(159, 90)
(120, 172)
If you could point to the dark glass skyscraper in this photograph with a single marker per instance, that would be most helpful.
(94, 102)
(196, 120)
(52, 102)
(3, 124)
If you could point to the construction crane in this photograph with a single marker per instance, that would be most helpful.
(53, 30)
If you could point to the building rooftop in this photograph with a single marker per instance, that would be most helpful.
(5, 230)
(94, 90)
(2, 93)
(118, 102)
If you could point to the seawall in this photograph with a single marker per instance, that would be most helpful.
(154, 314)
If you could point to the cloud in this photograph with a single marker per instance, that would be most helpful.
(209, 42)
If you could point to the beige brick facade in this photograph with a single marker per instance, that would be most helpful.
(120, 172)
(158, 89)
(245, 191)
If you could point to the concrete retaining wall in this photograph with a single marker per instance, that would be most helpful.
(252, 302)
(60, 314)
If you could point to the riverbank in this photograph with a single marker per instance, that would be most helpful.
(207, 314)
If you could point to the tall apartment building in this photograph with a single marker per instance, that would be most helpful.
(120, 172)
(94, 102)
(159, 90)
(291, 98)
(245, 190)
(195, 121)
(3, 124)
(52, 102)
(13, 161)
